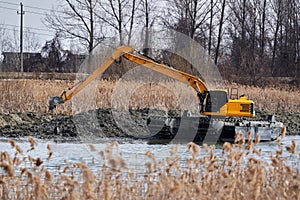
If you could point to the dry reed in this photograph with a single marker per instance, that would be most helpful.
(278, 99)
(33, 96)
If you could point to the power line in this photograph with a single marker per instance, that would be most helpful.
(38, 33)
(9, 3)
(36, 13)
(38, 8)
(44, 9)
(27, 11)
(27, 27)
(32, 7)
(8, 8)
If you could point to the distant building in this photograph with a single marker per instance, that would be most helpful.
(34, 62)
(10, 62)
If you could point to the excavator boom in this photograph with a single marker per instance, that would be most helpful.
(186, 78)
(213, 102)
(126, 52)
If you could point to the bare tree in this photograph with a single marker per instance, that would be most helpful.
(75, 19)
(146, 8)
(4, 38)
(54, 54)
(262, 27)
(120, 16)
(132, 17)
(31, 41)
(220, 30)
(3, 41)
(210, 26)
(188, 17)
(285, 41)
(148, 11)
(242, 29)
(9, 40)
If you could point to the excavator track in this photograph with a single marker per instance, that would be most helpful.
(206, 129)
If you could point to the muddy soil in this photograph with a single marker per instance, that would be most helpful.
(97, 123)
(101, 123)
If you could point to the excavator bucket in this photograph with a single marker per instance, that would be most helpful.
(54, 101)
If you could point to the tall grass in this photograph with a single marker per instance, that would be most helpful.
(273, 98)
(33, 96)
(28, 95)
(240, 172)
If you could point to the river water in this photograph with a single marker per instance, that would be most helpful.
(132, 151)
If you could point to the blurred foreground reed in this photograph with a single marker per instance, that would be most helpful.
(240, 172)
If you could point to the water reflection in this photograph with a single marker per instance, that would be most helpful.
(133, 152)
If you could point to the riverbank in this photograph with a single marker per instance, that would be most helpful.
(101, 123)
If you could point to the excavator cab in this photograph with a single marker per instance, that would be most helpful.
(215, 99)
(217, 103)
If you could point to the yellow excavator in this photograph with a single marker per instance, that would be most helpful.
(212, 102)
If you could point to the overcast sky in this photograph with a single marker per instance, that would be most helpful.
(34, 13)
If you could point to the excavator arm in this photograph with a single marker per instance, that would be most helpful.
(127, 53)
(186, 78)
(212, 102)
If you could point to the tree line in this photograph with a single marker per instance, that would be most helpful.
(245, 38)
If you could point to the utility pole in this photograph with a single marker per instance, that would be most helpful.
(21, 38)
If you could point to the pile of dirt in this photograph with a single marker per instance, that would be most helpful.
(36, 124)
(101, 123)
(96, 123)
